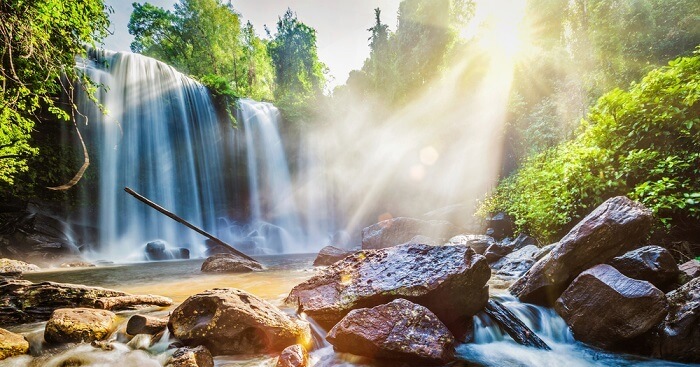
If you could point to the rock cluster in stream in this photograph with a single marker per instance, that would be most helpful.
(401, 300)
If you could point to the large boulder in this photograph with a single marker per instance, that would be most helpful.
(231, 321)
(229, 263)
(615, 225)
(293, 356)
(22, 301)
(449, 280)
(690, 268)
(478, 242)
(198, 356)
(37, 238)
(678, 336)
(651, 263)
(516, 263)
(12, 344)
(329, 254)
(78, 325)
(396, 231)
(604, 308)
(399, 330)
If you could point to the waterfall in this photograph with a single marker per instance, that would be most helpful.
(162, 137)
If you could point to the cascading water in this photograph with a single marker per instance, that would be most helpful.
(493, 347)
(162, 137)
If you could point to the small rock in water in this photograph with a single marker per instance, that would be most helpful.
(678, 336)
(516, 263)
(191, 357)
(399, 330)
(231, 321)
(12, 344)
(603, 307)
(156, 251)
(615, 225)
(77, 264)
(143, 324)
(293, 356)
(229, 263)
(478, 242)
(396, 231)
(329, 255)
(76, 325)
(651, 263)
(9, 267)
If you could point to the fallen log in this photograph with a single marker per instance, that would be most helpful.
(514, 326)
(187, 224)
(142, 324)
(124, 302)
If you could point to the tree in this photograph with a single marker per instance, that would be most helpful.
(39, 41)
(299, 74)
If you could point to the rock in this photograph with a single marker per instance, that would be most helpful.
(10, 267)
(157, 251)
(399, 330)
(231, 321)
(329, 254)
(651, 263)
(421, 240)
(77, 325)
(12, 344)
(615, 225)
(143, 324)
(512, 325)
(37, 238)
(229, 263)
(498, 250)
(691, 268)
(293, 356)
(22, 301)
(500, 226)
(181, 253)
(516, 263)
(544, 251)
(678, 337)
(198, 356)
(448, 280)
(604, 308)
(478, 242)
(77, 264)
(396, 231)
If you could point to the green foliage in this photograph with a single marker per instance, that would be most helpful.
(39, 41)
(205, 38)
(299, 75)
(642, 143)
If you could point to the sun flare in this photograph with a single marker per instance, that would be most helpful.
(499, 26)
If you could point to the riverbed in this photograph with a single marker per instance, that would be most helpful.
(180, 279)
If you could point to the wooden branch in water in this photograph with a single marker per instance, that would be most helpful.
(514, 326)
(186, 223)
(123, 302)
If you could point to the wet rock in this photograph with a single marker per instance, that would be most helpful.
(198, 356)
(22, 301)
(9, 266)
(37, 238)
(329, 254)
(603, 307)
(293, 356)
(229, 263)
(77, 325)
(691, 268)
(12, 344)
(157, 251)
(678, 337)
(448, 280)
(231, 321)
(399, 330)
(396, 231)
(181, 253)
(651, 263)
(615, 225)
(478, 242)
(143, 324)
(516, 263)
(500, 226)
(498, 250)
